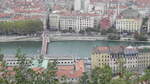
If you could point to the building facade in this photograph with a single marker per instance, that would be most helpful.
(129, 20)
(54, 21)
(129, 25)
(131, 58)
(72, 21)
(148, 25)
(76, 23)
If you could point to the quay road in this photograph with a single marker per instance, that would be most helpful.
(59, 37)
(18, 38)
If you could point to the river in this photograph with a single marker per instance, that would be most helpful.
(60, 48)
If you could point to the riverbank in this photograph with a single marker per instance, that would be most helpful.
(18, 38)
(88, 38)
(60, 38)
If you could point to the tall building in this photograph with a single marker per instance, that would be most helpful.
(73, 21)
(77, 5)
(144, 57)
(86, 5)
(76, 22)
(148, 25)
(132, 58)
(129, 20)
(54, 21)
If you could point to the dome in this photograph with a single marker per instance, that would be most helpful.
(130, 13)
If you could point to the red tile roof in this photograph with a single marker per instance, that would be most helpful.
(75, 71)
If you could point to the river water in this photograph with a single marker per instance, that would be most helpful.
(60, 48)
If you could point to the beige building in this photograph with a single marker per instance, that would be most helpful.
(148, 25)
(129, 20)
(132, 58)
(100, 57)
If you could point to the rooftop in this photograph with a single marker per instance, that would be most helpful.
(74, 71)
(130, 13)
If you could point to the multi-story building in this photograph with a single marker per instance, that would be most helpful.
(76, 22)
(129, 20)
(128, 56)
(12, 61)
(148, 26)
(77, 5)
(132, 58)
(67, 66)
(100, 57)
(73, 21)
(54, 21)
(144, 57)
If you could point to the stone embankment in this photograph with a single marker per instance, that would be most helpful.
(18, 38)
(59, 38)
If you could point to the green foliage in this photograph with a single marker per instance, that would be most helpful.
(84, 79)
(104, 32)
(101, 75)
(82, 32)
(112, 30)
(118, 81)
(92, 30)
(140, 37)
(146, 77)
(21, 27)
(1, 55)
(113, 36)
(25, 75)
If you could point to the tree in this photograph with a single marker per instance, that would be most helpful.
(140, 37)
(84, 79)
(103, 32)
(146, 77)
(101, 75)
(118, 81)
(112, 30)
(1, 55)
(82, 32)
(22, 27)
(113, 36)
(64, 80)
(21, 76)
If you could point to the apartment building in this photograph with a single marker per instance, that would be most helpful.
(76, 23)
(73, 21)
(148, 26)
(54, 21)
(67, 66)
(132, 58)
(129, 20)
(144, 57)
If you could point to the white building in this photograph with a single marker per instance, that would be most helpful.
(129, 25)
(128, 58)
(148, 26)
(129, 20)
(77, 5)
(54, 21)
(76, 22)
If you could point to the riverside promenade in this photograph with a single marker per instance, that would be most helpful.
(18, 38)
(59, 38)
(52, 38)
